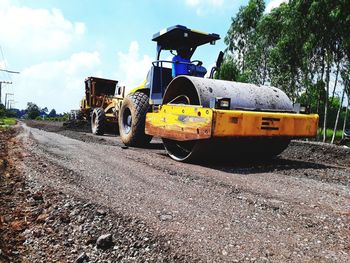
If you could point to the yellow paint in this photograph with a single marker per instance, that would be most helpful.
(141, 86)
(184, 122)
(247, 123)
(180, 122)
(200, 32)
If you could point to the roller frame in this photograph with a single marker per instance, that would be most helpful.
(187, 122)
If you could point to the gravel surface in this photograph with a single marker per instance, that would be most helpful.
(294, 208)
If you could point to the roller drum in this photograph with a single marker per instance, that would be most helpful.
(200, 91)
(243, 95)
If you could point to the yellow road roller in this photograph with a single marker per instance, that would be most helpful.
(198, 117)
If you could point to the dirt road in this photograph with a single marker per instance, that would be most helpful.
(292, 209)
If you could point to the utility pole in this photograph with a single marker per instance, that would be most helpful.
(6, 102)
(6, 82)
(3, 82)
(10, 102)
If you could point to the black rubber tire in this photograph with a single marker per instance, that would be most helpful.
(225, 149)
(132, 118)
(89, 115)
(98, 121)
(80, 116)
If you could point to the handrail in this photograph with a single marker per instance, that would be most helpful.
(156, 63)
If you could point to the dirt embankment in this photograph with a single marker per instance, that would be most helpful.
(14, 215)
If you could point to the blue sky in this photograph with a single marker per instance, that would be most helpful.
(56, 44)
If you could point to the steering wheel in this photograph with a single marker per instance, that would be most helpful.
(199, 63)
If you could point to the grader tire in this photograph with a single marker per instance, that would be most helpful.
(132, 118)
(98, 121)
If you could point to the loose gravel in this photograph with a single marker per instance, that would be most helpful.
(292, 209)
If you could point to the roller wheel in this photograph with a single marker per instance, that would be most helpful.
(225, 149)
(98, 121)
(183, 151)
(132, 117)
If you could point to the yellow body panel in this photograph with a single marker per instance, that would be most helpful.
(184, 122)
(249, 123)
(141, 86)
(180, 122)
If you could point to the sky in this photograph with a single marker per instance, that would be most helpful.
(56, 44)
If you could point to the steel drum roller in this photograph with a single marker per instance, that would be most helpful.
(199, 91)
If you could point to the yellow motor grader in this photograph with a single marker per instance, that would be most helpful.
(198, 117)
(101, 103)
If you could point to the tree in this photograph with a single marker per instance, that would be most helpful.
(242, 29)
(2, 110)
(52, 113)
(228, 70)
(33, 110)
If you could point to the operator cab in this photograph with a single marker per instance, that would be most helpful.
(173, 39)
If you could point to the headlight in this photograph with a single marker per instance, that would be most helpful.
(298, 108)
(224, 103)
(220, 103)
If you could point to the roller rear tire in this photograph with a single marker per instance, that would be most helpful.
(132, 118)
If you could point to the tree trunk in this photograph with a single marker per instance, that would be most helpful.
(319, 92)
(243, 58)
(265, 68)
(326, 101)
(345, 117)
(337, 118)
(335, 82)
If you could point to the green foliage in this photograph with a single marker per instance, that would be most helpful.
(52, 113)
(299, 47)
(228, 70)
(2, 111)
(6, 112)
(63, 117)
(329, 134)
(33, 111)
(7, 122)
(242, 29)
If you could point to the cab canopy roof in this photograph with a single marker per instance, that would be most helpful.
(178, 36)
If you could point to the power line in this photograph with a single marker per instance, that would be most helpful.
(10, 71)
(3, 58)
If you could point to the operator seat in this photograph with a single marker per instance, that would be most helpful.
(179, 68)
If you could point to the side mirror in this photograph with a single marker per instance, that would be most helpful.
(220, 59)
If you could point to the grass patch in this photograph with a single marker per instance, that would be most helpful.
(7, 122)
(62, 118)
(329, 134)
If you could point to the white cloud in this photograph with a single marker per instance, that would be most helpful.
(133, 67)
(205, 6)
(36, 30)
(36, 39)
(57, 84)
(273, 4)
(2, 64)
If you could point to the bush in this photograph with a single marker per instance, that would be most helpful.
(33, 111)
(2, 111)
